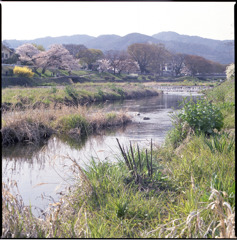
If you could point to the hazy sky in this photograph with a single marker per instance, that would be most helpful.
(30, 20)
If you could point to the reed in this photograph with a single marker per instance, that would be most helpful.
(37, 125)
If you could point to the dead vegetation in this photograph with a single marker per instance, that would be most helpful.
(37, 125)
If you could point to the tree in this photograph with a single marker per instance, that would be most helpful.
(217, 67)
(56, 57)
(39, 47)
(142, 54)
(26, 53)
(104, 65)
(160, 56)
(74, 49)
(177, 61)
(197, 64)
(117, 60)
(149, 57)
(89, 56)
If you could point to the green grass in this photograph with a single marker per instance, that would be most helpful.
(67, 123)
(223, 96)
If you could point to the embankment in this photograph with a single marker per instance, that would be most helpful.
(72, 95)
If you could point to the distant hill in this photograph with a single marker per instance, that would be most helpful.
(47, 41)
(215, 50)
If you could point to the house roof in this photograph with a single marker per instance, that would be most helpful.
(7, 48)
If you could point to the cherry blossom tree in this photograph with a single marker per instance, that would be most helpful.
(56, 57)
(26, 53)
(104, 65)
(118, 60)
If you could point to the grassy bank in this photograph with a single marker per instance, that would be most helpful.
(184, 189)
(34, 126)
(72, 95)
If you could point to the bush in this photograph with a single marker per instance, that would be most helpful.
(23, 72)
(202, 116)
(69, 122)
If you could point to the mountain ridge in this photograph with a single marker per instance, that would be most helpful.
(221, 51)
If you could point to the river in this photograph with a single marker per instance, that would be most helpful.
(42, 172)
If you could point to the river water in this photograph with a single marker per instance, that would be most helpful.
(42, 172)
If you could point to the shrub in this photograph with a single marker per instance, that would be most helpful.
(202, 116)
(69, 122)
(23, 72)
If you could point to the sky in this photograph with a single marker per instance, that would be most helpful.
(31, 20)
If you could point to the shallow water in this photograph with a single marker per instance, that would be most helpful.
(42, 172)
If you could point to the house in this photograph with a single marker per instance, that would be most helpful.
(6, 52)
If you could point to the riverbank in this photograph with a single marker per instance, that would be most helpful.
(72, 95)
(185, 190)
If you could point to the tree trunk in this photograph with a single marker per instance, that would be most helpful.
(43, 70)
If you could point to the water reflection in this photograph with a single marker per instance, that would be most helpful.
(46, 170)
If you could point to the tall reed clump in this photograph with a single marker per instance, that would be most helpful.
(28, 126)
(37, 125)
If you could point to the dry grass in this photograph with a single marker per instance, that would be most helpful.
(193, 226)
(36, 125)
(17, 219)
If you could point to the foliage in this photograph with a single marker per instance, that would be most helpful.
(147, 56)
(117, 61)
(89, 56)
(197, 64)
(39, 47)
(177, 134)
(74, 49)
(56, 57)
(23, 72)
(221, 143)
(202, 116)
(27, 52)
